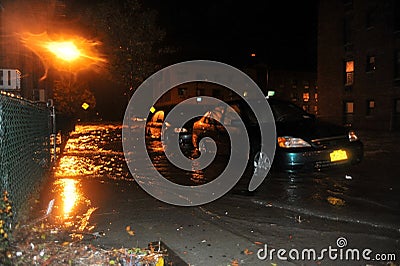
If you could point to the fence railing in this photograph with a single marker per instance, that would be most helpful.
(24, 147)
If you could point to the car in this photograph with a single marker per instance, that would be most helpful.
(303, 143)
(156, 131)
(184, 133)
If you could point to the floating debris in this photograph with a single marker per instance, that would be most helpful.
(336, 201)
(45, 245)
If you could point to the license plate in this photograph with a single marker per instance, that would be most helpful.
(338, 155)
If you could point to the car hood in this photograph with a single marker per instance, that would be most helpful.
(310, 129)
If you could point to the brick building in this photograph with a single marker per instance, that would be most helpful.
(359, 63)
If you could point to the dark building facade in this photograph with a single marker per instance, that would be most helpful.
(359, 63)
(299, 87)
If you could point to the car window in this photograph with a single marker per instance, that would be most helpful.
(288, 112)
(218, 113)
(230, 114)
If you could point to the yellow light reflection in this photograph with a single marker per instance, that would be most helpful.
(64, 50)
(69, 194)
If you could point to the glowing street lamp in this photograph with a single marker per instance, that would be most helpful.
(66, 51)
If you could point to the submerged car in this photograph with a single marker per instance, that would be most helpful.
(303, 141)
(154, 129)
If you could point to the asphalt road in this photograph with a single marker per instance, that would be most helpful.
(354, 209)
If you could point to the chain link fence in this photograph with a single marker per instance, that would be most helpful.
(24, 147)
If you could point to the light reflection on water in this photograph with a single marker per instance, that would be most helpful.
(91, 151)
(95, 151)
(69, 194)
(73, 209)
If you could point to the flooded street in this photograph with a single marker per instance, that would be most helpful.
(96, 199)
(95, 152)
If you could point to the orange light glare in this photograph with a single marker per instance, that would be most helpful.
(64, 50)
(69, 193)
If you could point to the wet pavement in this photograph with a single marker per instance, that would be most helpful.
(94, 193)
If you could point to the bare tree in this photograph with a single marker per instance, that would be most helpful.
(130, 35)
(70, 94)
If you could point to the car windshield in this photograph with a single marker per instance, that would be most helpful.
(288, 112)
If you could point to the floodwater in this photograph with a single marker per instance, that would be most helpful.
(94, 151)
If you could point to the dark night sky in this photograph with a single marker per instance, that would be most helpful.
(282, 33)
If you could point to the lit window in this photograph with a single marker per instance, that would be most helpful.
(349, 66)
(306, 96)
(348, 112)
(370, 106)
(349, 73)
(349, 107)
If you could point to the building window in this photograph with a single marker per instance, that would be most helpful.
(316, 96)
(348, 112)
(349, 108)
(1, 77)
(370, 107)
(9, 78)
(200, 92)
(347, 30)
(294, 84)
(349, 73)
(306, 84)
(371, 63)
(306, 96)
(182, 92)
